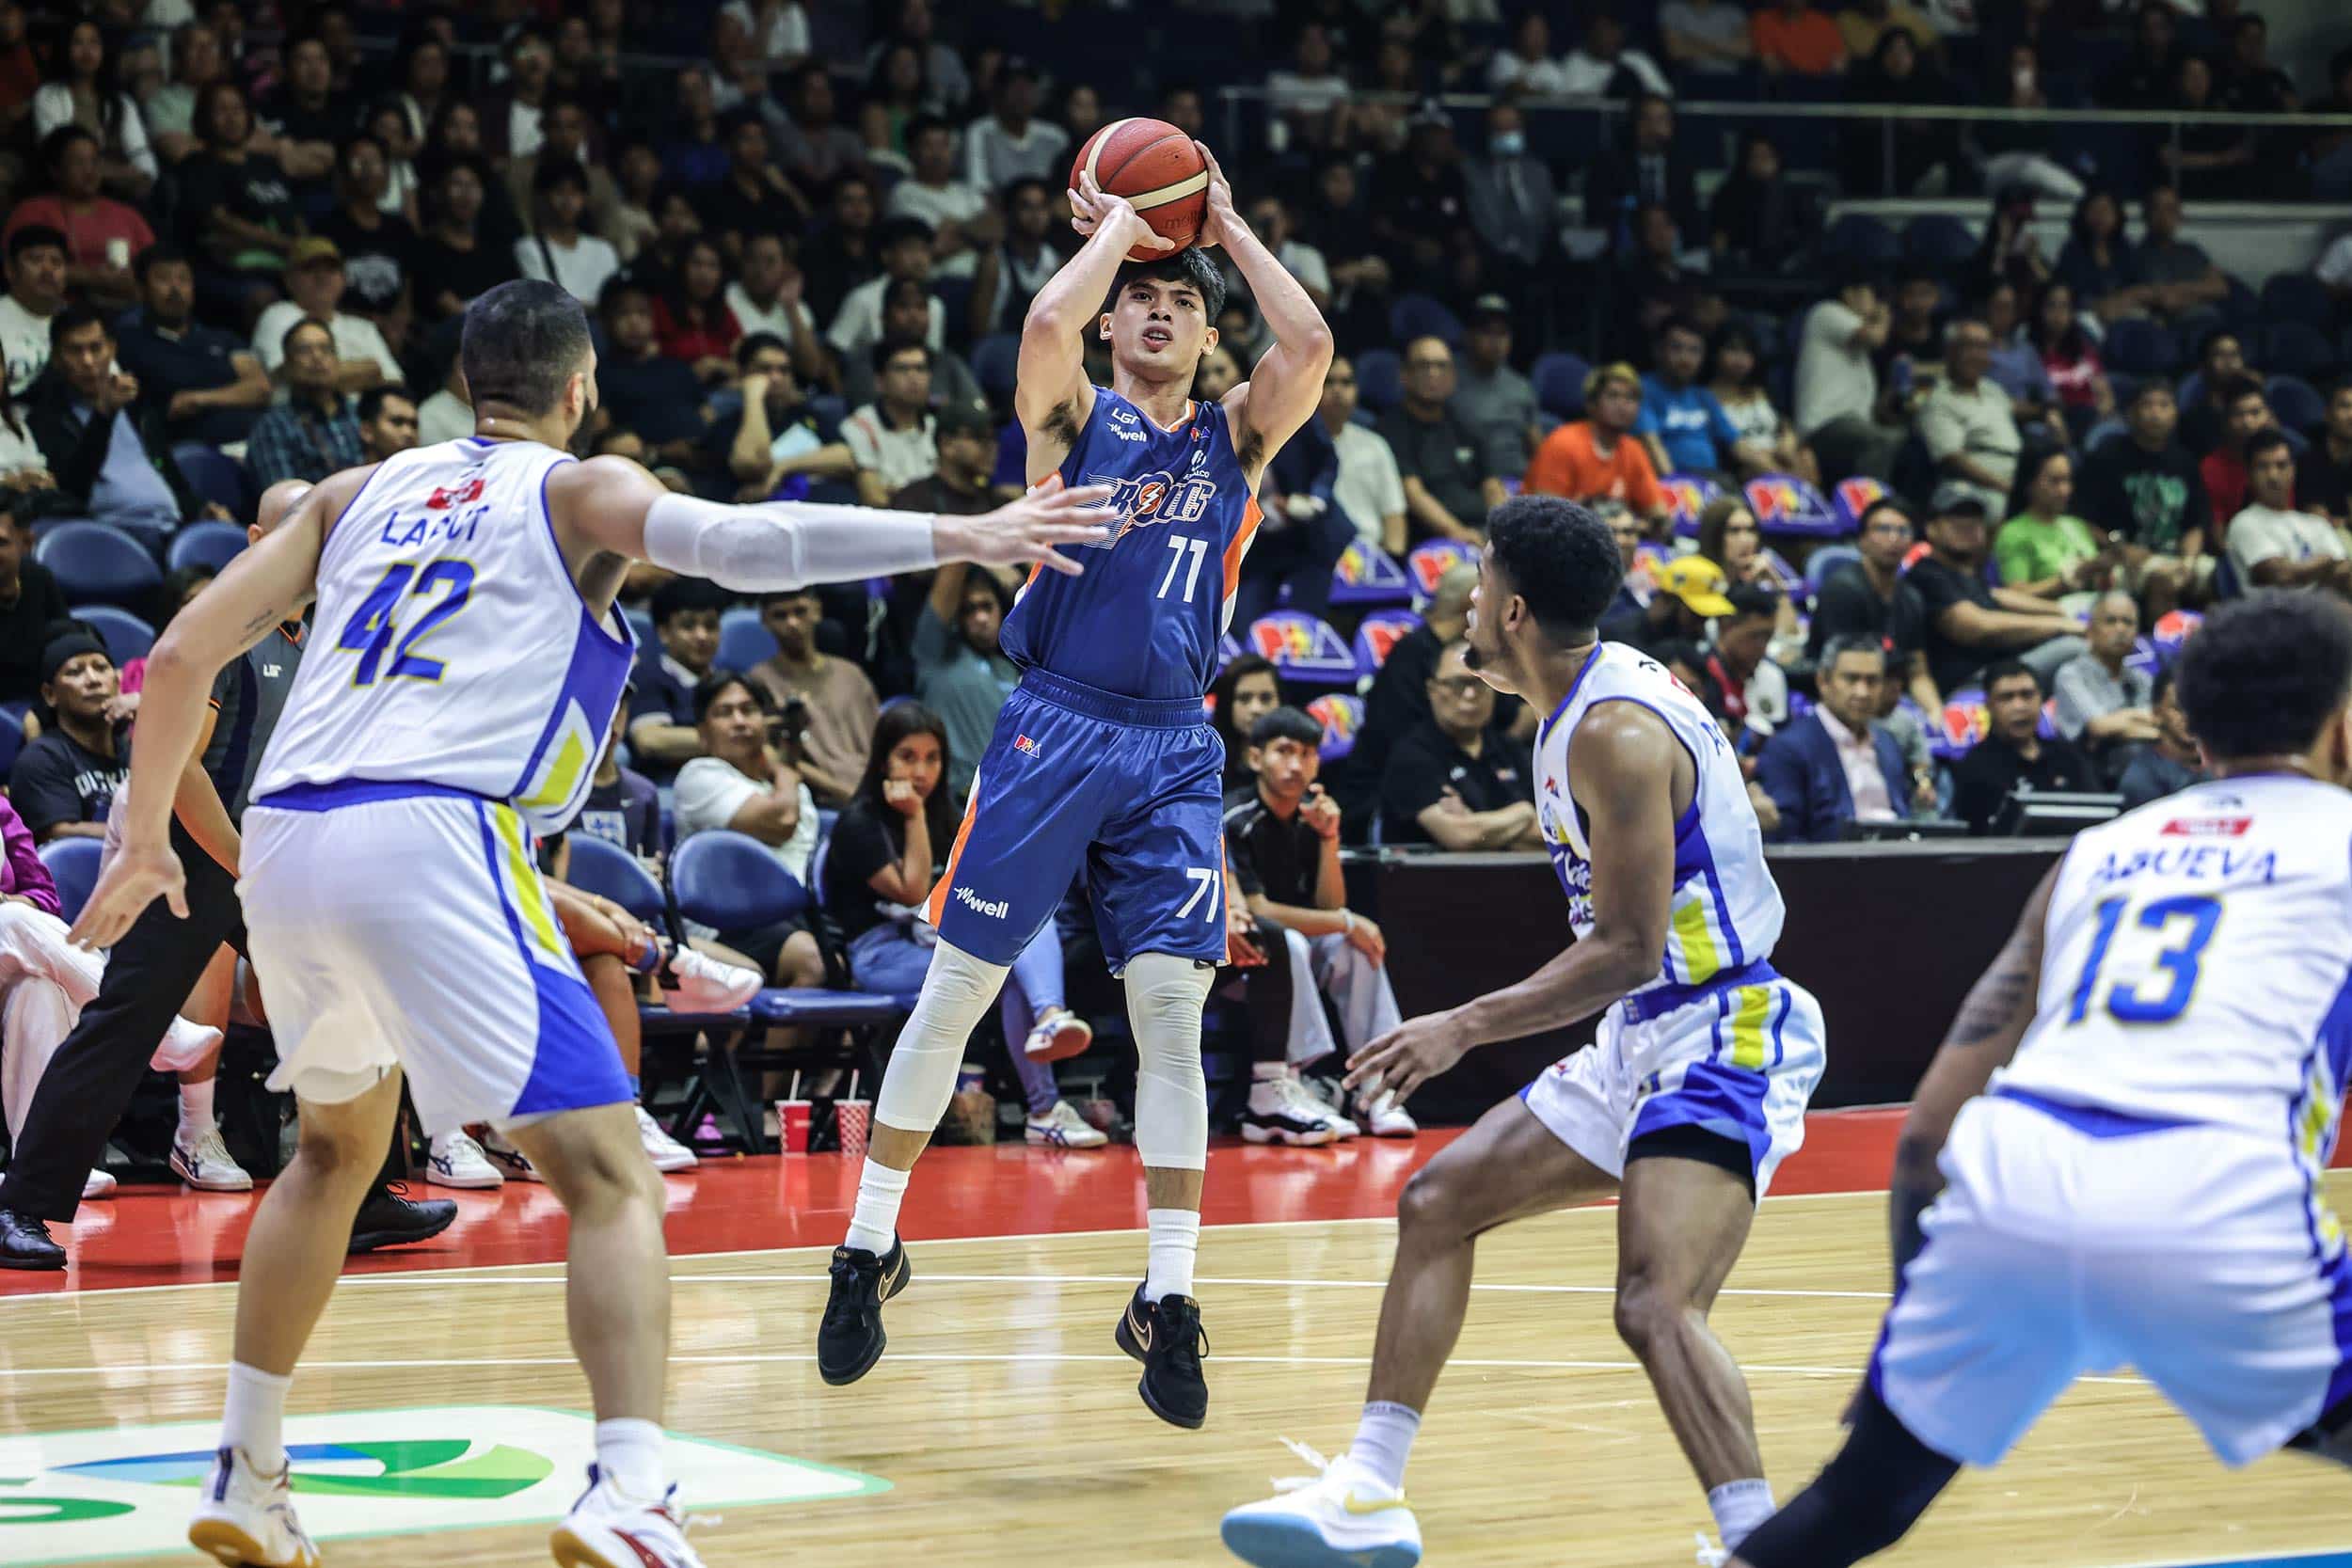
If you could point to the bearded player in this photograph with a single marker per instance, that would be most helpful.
(1103, 756)
(1691, 1095)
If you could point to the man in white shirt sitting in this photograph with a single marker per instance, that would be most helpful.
(768, 298)
(315, 278)
(932, 192)
(1011, 143)
(559, 253)
(2273, 546)
(894, 438)
(904, 245)
(1370, 491)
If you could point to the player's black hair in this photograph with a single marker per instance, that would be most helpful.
(2265, 673)
(1189, 265)
(523, 342)
(1560, 558)
(680, 594)
(1286, 724)
(2009, 669)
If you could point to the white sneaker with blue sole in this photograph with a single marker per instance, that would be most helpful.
(1343, 1519)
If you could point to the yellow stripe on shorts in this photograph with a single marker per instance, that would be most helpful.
(1751, 1010)
(1701, 958)
(530, 893)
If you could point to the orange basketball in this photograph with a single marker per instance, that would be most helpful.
(1157, 167)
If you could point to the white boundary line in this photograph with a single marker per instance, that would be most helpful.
(930, 1278)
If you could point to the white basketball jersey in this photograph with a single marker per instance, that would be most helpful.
(1726, 912)
(2196, 963)
(452, 646)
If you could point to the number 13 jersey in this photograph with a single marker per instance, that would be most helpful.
(1145, 618)
(2196, 963)
(452, 646)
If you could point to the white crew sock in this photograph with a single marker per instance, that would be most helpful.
(1739, 1506)
(255, 1418)
(1383, 1439)
(196, 1109)
(874, 1223)
(629, 1451)
(1174, 1243)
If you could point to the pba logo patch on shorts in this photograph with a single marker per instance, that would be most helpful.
(1022, 744)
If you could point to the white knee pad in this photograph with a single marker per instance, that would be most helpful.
(1165, 995)
(921, 1077)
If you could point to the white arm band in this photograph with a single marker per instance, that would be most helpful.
(780, 544)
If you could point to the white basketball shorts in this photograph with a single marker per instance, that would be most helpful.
(2072, 1240)
(1737, 1056)
(401, 922)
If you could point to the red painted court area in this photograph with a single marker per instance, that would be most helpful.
(159, 1235)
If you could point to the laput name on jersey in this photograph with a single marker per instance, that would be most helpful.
(1145, 617)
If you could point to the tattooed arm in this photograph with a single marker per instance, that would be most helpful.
(1980, 1041)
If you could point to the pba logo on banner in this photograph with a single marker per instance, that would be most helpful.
(1433, 560)
(1378, 636)
(1341, 715)
(1687, 496)
(1366, 575)
(1853, 496)
(76, 1497)
(1298, 644)
(1787, 504)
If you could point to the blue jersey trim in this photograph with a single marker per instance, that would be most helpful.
(1158, 713)
(1658, 1000)
(337, 793)
(2096, 1120)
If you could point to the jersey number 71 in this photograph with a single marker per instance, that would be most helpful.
(372, 627)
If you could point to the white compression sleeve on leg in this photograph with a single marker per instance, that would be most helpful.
(921, 1077)
(781, 545)
(1165, 995)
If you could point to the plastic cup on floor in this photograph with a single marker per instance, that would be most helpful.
(855, 1119)
(792, 1125)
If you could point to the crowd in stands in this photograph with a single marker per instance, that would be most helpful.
(240, 238)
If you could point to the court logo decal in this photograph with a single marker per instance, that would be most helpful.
(76, 1497)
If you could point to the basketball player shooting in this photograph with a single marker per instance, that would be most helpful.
(468, 665)
(1691, 1094)
(1102, 756)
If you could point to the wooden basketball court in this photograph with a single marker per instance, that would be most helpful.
(1003, 1427)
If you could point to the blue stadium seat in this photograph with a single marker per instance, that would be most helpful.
(641, 621)
(1939, 240)
(73, 864)
(996, 360)
(1414, 316)
(2140, 347)
(1559, 381)
(2297, 299)
(125, 635)
(2296, 402)
(742, 640)
(95, 561)
(1379, 379)
(210, 545)
(604, 869)
(2288, 349)
(1860, 237)
(1381, 630)
(215, 477)
(1825, 561)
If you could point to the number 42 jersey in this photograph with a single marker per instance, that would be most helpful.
(451, 645)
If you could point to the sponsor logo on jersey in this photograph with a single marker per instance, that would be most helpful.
(1124, 416)
(2208, 826)
(442, 499)
(995, 909)
(1143, 499)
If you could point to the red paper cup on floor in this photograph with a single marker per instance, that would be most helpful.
(792, 1125)
(855, 1119)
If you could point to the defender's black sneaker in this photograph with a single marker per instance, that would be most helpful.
(1167, 1336)
(387, 1219)
(25, 1242)
(849, 1337)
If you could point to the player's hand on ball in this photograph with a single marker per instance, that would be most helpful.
(1408, 1056)
(1028, 530)
(133, 879)
(1221, 219)
(1093, 208)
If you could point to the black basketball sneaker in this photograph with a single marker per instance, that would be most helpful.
(849, 1337)
(1167, 1336)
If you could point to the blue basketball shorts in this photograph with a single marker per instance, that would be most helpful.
(1126, 787)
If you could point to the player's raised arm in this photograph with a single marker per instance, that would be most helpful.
(611, 504)
(1618, 766)
(1052, 396)
(1286, 385)
(266, 584)
(1991, 1023)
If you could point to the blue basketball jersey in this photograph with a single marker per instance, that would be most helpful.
(1145, 618)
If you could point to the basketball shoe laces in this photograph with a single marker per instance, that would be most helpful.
(1184, 1348)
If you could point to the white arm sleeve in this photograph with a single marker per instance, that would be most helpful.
(780, 544)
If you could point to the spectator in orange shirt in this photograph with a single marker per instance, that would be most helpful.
(1598, 458)
(1793, 37)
